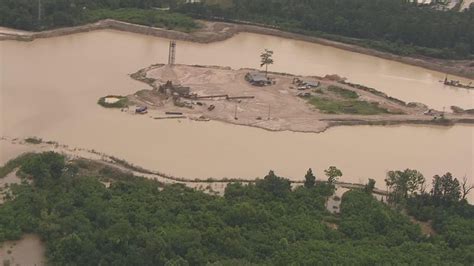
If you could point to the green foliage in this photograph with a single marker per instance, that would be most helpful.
(14, 163)
(333, 174)
(266, 59)
(362, 216)
(369, 187)
(23, 14)
(345, 93)
(336, 106)
(309, 179)
(446, 188)
(403, 183)
(137, 221)
(397, 27)
(153, 18)
(454, 221)
(278, 186)
(121, 103)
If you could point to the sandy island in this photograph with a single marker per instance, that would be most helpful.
(224, 94)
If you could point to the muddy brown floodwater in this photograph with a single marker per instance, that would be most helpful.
(50, 88)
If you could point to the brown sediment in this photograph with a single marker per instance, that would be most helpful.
(219, 31)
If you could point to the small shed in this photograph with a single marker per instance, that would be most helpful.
(257, 79)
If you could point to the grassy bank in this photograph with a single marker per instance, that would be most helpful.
(149, 17)
(336, 106)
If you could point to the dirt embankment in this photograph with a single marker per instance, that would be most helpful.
(219, 31)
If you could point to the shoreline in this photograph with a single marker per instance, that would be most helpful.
(220, 31)
(216, 184)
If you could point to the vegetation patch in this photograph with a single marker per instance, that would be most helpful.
(113, 101)
(137, 221)
(14, 163)
(33, 140)
(333, 106)
(345, 93)
(147, 17)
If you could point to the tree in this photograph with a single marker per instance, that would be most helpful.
(266, 59)
(403, 183)
(369, 187)
(333, 174)
(276, 185)
(309, 179)
(446, 188)
(466, 188)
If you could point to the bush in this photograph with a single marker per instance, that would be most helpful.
(121, 103)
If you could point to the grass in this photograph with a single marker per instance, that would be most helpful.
(345, 93)
(147, 17)
(331, 106)
(122, 103)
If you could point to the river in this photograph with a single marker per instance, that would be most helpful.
(50, 88)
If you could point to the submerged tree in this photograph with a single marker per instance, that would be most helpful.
(266, 59)
(403, 183)
(333, 174)
(274, 184)
(466, 188)
(369, 187)
(309, 179)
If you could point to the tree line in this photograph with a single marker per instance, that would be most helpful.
(137, 221)
(396, 26)
(31, 15)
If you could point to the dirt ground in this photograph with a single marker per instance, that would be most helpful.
(28, 251)
(275, 107)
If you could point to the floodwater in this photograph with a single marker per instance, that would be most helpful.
(29, 250)
(50, 88)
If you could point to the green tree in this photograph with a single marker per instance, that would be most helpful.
(446, 188)
(309, 179)
(403, 183)
(333, 174)
(266, 59)
(370, 186)
(276, 185)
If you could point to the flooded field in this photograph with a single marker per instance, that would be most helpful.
(50, 88)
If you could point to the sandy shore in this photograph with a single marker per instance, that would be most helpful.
(219, 31)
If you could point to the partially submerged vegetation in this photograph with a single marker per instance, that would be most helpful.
(33, 140)
(141, 222)
(113, 101)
